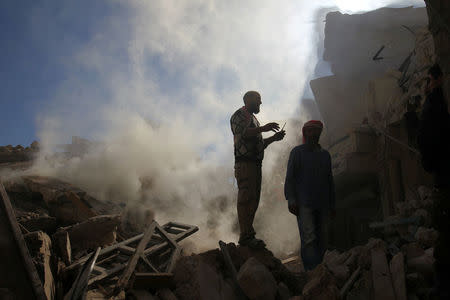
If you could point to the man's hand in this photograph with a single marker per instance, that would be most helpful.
(279, 135)
(270, 127)
(293, 208)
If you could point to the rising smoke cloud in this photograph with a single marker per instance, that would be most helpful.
(163, 81)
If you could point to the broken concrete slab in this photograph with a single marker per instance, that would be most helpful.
(66, 202)
(427, 237)
(95, 232)
(397, 268)
(256, 280)
(196, 279)
(61, 243)
(39, 246)
(422, 264)
(365, 257)
(240, 255)
(341, 272)
(381, 276)
(412, 250)
(321, 285)
(70, 208)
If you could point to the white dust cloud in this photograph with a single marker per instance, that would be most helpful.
(157, 86)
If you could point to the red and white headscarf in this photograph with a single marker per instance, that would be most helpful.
(311, 124)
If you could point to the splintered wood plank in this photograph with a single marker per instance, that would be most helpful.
(123, 281)
(397, 267)
(107, 273)
(381, 276)
(173, 259)
(106, 250)
(22, 279)
(149, 264)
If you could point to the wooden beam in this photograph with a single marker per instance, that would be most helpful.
(10, 225)
(108, 273)
(123, 281)
(173, 259)
(104, 251)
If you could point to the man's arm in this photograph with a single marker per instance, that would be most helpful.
(257, 130)
(276, 137)
(289, 184)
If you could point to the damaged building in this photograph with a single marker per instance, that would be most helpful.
(59, 242)
(379, 71)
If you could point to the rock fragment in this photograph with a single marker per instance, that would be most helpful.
(256, 281)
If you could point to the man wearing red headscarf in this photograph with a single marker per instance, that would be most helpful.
(309, 189)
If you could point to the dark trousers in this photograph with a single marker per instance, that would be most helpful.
(248, 176)
(313, 231)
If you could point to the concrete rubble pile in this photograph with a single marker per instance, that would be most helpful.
(82, 246)
(396, 264)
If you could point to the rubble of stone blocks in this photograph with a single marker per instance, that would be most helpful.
(396, 264)
(68, 232)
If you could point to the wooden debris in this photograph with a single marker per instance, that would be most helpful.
(290, 259)
(80, 284)
(123, 281)
(153, 252)
(24, 283)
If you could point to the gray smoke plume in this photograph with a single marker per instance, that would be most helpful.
(167, 77)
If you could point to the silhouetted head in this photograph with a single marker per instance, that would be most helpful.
(252, 101)
(312, 131)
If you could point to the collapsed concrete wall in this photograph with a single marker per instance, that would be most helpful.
(367, 107)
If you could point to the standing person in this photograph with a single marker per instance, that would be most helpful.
(249, 148)
(434, 146)
(309, 190)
